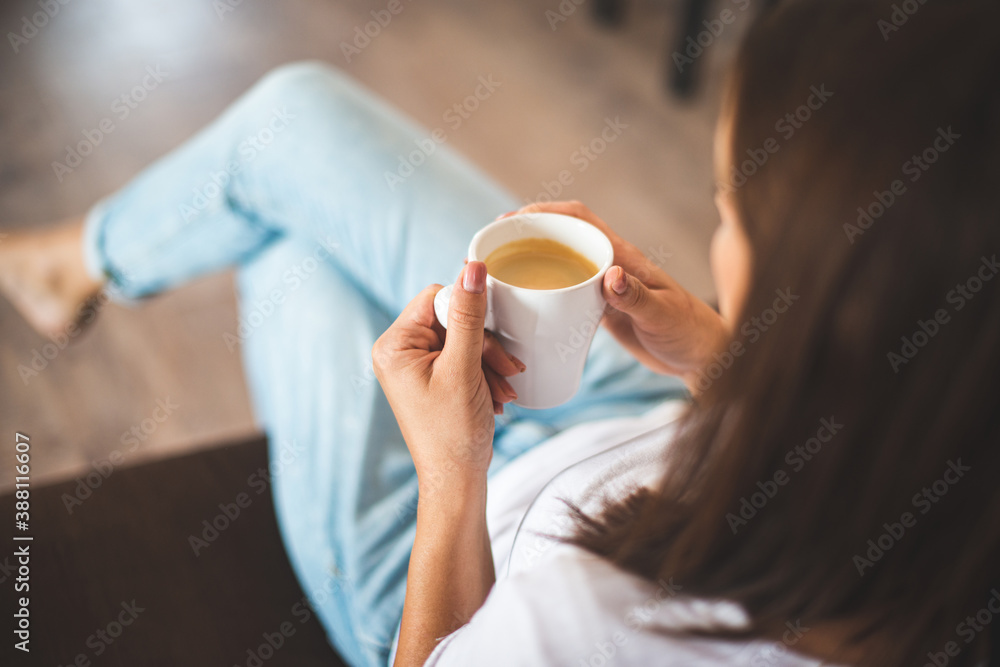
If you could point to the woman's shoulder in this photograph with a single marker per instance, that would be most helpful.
(578, 609)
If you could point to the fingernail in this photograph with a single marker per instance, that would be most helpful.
(517, 362)
(474, 281)
(618, 284)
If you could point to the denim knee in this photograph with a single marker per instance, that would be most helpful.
(295, 82)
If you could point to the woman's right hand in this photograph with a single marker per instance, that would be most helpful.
(663, 325)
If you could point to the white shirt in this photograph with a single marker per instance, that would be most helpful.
(558, 605)
(578, 610)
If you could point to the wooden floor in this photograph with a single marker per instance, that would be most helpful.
(558, 87)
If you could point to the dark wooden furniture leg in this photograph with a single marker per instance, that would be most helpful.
(609, 12)
(682, 77)
(684, 80)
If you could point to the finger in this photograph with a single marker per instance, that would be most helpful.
(420, 311)
(498, 359)
(497, 408)
(500, 389)
(417, 339)
(627, 294)
(463, 344)
(417, 325)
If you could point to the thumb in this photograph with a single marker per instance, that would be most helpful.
(463, 344)
(627, 294)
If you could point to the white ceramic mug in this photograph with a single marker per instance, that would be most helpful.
(549, 330)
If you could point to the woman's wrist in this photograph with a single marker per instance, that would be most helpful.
(451, 565)
(449, 486)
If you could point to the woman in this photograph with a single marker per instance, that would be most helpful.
(829, 497)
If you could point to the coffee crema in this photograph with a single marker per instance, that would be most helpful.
(541, 264)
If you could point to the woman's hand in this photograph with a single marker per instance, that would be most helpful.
(444, 390)
(665, 327)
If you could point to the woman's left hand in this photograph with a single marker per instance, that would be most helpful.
(445, 389)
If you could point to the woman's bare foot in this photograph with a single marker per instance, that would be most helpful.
(44, 275)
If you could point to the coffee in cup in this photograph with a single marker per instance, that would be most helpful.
(539, 263)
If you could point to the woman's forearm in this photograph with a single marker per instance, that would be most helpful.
(451, 567)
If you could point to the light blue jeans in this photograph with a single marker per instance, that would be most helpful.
(290, 185)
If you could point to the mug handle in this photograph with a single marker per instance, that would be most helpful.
(441, 301)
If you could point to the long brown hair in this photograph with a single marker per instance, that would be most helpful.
(846, 465)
